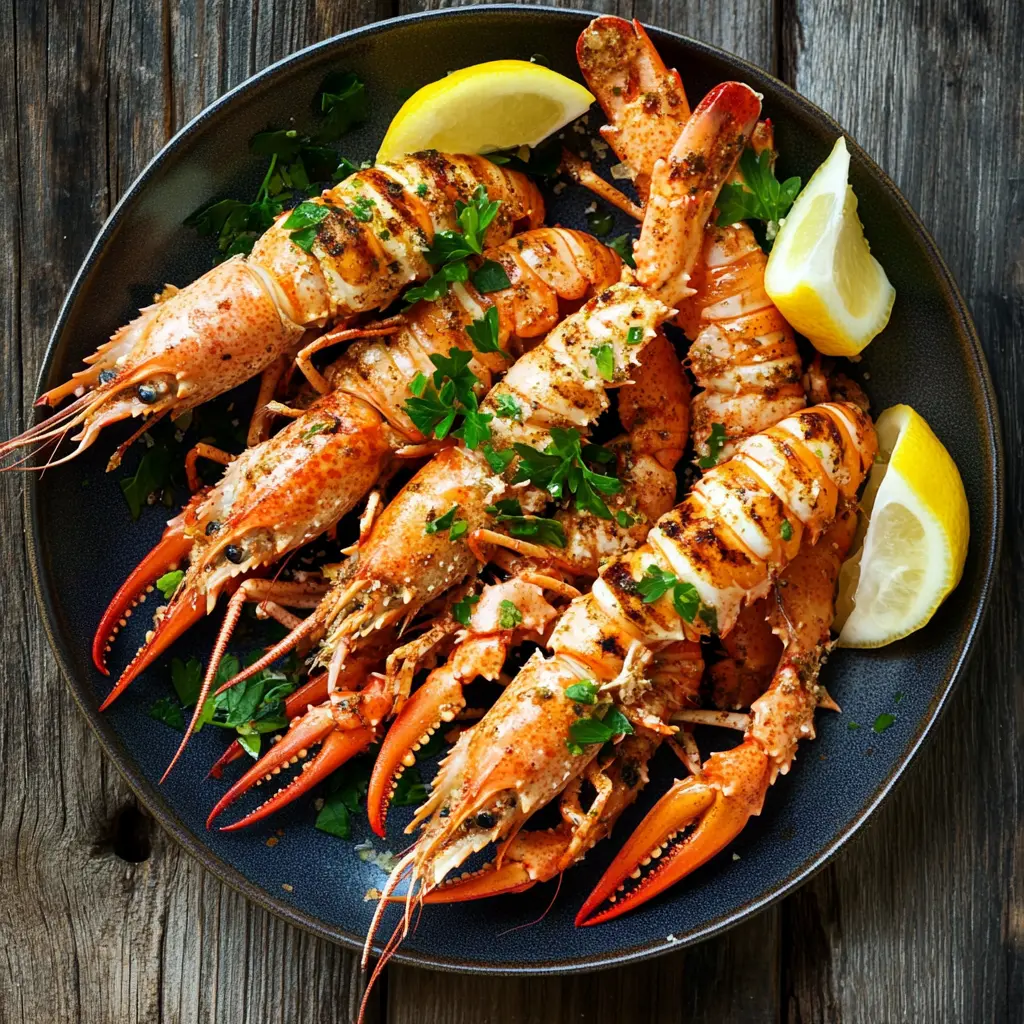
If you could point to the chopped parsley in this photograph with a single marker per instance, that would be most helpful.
(484, 333)
(685, 598)
(600, 223)
(316, 428)
(509, 616)
(490, 276)
(421, 189)
(786, 530)
(760, 197)
(716, 442)
(882, 722)
(604, 357)
(583, 692)
(507, 408)
(450, 249)
(251, 708)
(344, 104)
(362, 209)
(498, 460)
(623, 245)
(625, 520)
(297, 163)
(440, 399)
(463, 610)
(544, 531)
(634, 335)
(597, 729)
(344, 797)
(442, 522)
(169, 582)
(561, 468)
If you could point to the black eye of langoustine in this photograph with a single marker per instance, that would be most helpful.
(233, 553)
(485, 819)
(212, 527)
(106, 376)
(147, 393)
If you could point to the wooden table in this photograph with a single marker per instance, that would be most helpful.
(103, 919)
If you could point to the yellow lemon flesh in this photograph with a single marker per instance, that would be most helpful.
(915, 543)
(498, 105)
(821, 273)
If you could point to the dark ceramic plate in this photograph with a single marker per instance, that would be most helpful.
(929, 357)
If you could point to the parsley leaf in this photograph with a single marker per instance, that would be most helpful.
(344, 104)
(507, 408)
(544, 531)
(168, 583)
(760, 197)
(484, 333)
(716, 442)
(409, 790)
(786, 530)
(600, 223)
(463, 610)
(442, 522)
(490, 276)
(561, 467)
(449, 249)
(634, 335)
(604, 357)
(586, 731)
(583, 692)
(345, 792)
(498, 460)
(623, 245)
(685, 598)
(362, 209)
(153, 474)
(509, 615)
(882, 722)
(437, 401)
(167, 711)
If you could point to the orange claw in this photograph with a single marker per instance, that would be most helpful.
(438, 700)
(172, 548)
(530, 858)
(719, 805)
(180, 617)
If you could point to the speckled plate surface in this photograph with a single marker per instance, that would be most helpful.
(929, 356)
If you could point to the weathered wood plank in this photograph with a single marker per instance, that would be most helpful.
(920, 919)
(88, 92)
(732, 978)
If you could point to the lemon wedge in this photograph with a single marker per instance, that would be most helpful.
(498, 105)
(915, 542)
(821, 273)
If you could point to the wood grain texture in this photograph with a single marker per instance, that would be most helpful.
(103, 919)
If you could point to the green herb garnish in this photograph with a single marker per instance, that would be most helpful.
(882, 722)
(484, 333)
(604, 357)
(561, 467)
(786, 530)
(167, 711)
(442, 522)
(168, 583)
(600, 223)
(623, 245)
(544, 531)
(760, 197)
(507, 408)
(490, 276)
(583, 692)
(597, 729)
(716, 442)
(509, 616)
(463, 610)
(362, 209)
(685, 598)
(498, 460)
(437, 401)
(344, 104)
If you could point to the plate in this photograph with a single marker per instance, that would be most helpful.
(929, 356)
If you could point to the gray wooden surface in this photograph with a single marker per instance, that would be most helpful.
(103, 919)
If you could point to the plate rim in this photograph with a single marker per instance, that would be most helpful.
(152, 799)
